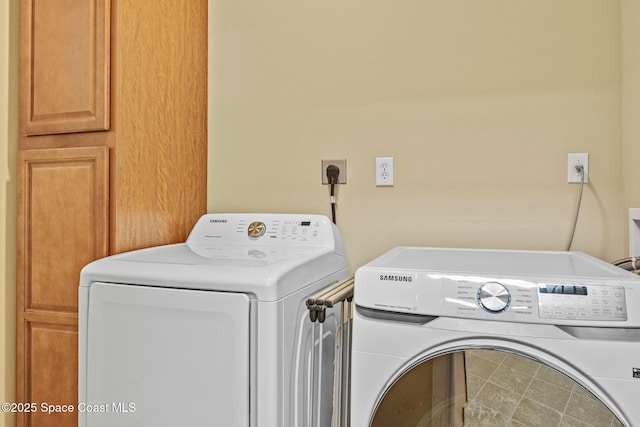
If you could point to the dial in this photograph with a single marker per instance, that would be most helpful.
(256, 229)
(494, 297)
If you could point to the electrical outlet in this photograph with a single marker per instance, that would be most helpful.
(341, 164)
(384, 171)
(575, 159)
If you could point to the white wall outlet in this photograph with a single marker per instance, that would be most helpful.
(575, 159)
(384, 171)
(341, 164)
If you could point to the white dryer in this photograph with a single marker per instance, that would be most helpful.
(450, 337)
(214, 331)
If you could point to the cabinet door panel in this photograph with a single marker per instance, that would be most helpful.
(53, 365)
(63, 222)
(65, 65)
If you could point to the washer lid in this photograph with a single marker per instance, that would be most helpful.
(498, 262)
(167, 361)
(267, 255)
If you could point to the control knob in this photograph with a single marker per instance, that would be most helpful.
(256, 229)
(494, 297)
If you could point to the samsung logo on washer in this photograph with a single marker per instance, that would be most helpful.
(396, 278)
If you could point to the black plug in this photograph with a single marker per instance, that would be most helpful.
(332, 174)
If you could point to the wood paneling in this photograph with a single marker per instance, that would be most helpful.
(66, 46)
(159, 202)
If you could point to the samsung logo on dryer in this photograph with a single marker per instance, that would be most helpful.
(396, 278)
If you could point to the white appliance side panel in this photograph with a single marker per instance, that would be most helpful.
(166, 357)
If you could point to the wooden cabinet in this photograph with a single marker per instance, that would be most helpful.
(63, 195)
(65, 65)
(112, 157)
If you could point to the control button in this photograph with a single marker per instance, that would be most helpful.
(494, 297)
(256, 229)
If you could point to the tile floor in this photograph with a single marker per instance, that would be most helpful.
(512, 391)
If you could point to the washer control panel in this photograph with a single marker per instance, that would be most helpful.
(583, 302)
(522, 300)
(262, 229)
(539, 287)
(488, 298)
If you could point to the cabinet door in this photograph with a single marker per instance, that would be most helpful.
(62, 225)
(64, 65)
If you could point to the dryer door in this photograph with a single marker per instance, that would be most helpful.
(487, 387)
(165, 357)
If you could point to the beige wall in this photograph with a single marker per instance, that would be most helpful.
(630, 14)
(479, 103)
(8, 148)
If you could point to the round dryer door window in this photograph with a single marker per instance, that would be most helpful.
(479, 387)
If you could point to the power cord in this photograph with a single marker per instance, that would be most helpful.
(580, 170)
(333, 172)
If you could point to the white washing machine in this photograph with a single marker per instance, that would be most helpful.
(451, 337)
(214, 331)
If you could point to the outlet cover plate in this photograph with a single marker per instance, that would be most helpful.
(573, 177)
(384, 172)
